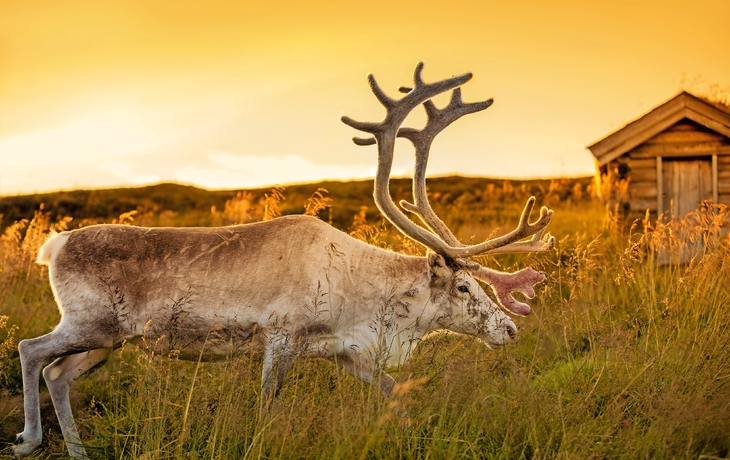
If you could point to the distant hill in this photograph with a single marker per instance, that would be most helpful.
(180, 205)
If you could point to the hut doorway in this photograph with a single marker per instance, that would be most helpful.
(686, 182)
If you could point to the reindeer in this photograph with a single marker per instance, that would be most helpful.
(293, 286)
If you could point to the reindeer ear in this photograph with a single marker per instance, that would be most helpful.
(437, 264)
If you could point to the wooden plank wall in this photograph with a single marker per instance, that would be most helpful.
(684, 139)
(723, 179)
(642, 186)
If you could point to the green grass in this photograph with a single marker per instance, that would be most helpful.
(622, 358)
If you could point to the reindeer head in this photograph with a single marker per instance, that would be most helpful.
(463, 306)
(466, 306)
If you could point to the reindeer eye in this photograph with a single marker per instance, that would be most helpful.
(463, 289)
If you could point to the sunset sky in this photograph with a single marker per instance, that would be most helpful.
(224, 94)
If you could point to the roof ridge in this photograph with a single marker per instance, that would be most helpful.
(715, 116)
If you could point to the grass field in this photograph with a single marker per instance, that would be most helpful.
(623, 357)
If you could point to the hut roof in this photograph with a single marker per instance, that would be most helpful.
(714, 116)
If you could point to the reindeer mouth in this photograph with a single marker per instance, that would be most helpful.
(505, 333)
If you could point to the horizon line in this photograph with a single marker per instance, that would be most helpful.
(288, 184)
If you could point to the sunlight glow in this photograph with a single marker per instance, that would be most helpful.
(243, 94)
(103, 135)
(231, 171)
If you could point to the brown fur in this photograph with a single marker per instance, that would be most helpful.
(191, 281)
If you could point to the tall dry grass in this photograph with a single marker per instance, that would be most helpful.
(625, 356)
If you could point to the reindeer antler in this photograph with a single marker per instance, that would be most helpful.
(446, 243)
(385, 133)
(504, 284)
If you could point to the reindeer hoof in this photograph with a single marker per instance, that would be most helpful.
(23, 448)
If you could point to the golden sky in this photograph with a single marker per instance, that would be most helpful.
(225, 94)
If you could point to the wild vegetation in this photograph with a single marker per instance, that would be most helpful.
(623, 357)
(177, 205)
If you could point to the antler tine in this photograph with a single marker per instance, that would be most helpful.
(363, 141)
(536, 244)
(367, 127)
(524, 229)
(383, 98)
(508, 243)
(417, 78)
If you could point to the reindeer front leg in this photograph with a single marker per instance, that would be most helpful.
(363, 370)
(279, 356)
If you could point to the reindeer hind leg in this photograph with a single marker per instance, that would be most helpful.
(59, 375)
(34, 353)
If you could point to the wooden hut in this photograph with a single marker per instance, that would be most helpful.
(669, 160)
